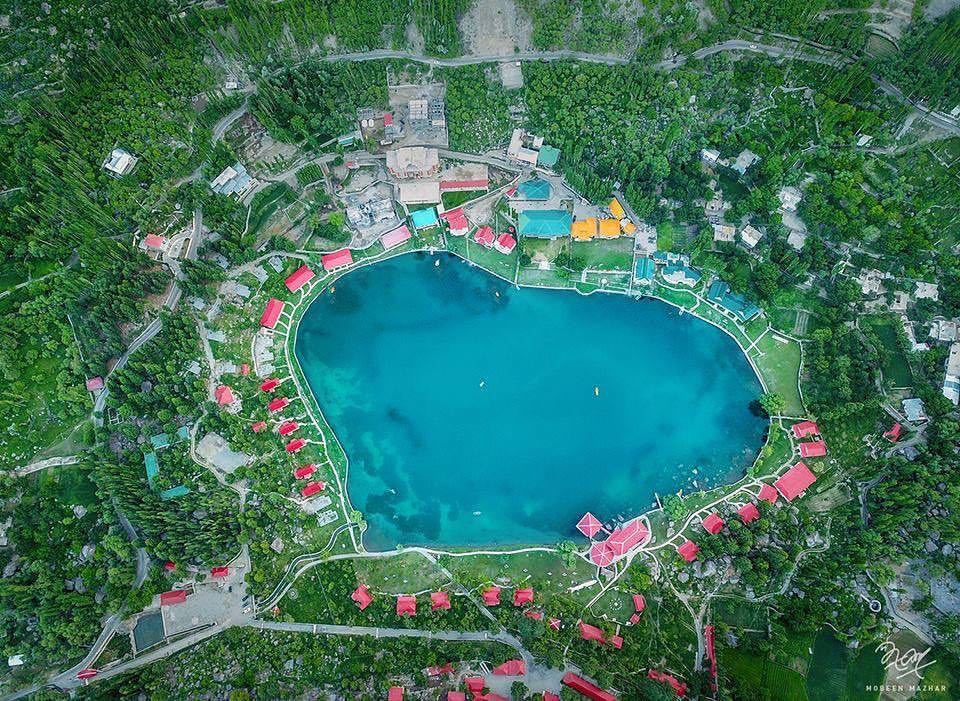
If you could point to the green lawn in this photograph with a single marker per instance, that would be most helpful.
(896, 366)
(840, 674)
(605, 254)
(757, 678)
(740, 613)
(779, 361)
(455, 199)
(775, 452)
(400, 574)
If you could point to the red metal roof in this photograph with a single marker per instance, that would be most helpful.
(634, 619)
(582, 686)
(153, 240)
(626, 537)
(456, 696)
(554, 623)
(94, 383)
(816, 449)
(768, 494)
(600, 554)
(304, 471)
(616, 641)
(713, 523)
(362, 596)
(484, 236)
(479, 184)
(589, 525)
(219, 572)
(589, 632)
(406, 605)
(337, 259)
(678, 688)
(795, 481)
(639, 603)
(549, 696)
(394, 238)
(505, 243)
(387, 119)
(511, 668)
(169, 565)
(298, 278)
(456, 219)
(523, 596)
(259, 426)
(437, 670)
(533, 614)
(893, 435)
(287, 428)
(491, 596)
(312, 488)
(277, 404)
(271, 313)
(748, 513)
(88, 673)
(688, 551)
(395, 693)
(169, 598)
(270, 384)
(245, 369)
(295, 445)
(224, 395)
(474, 684)
(805, 428)
(439, 600)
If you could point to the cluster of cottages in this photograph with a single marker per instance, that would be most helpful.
(790, 485)
(619, 541)
(476, 685)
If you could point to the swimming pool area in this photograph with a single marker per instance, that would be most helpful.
(476, 413)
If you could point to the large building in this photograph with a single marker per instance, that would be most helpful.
(544, 223)
(234, 181)
(413, 162)
(119, 162)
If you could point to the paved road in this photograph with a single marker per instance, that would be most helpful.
(49, 462)
(152, 329)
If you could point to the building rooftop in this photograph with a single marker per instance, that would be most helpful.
(545, 223)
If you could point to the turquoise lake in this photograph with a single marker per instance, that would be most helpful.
(475, 413)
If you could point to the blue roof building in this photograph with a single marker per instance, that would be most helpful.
(174, 492)
(720, 293)
(151, 467)
(533, 189)
(161, 440)
(424, 218)
(183, 432)
(645, 270)
(548, 156)
(544, 223)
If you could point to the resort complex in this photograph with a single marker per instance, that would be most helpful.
(489, 350)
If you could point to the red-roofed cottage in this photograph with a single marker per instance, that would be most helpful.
(713, 523)
(395, 693)
(768, 494)
(748, 513)
(304, 471)
(628, 536)
(523, 596)
(298, 278)
(484, 236)
(511, 668)
(688, 551)
(259, 426)
(585, 688)
(457, 221)
(474, 684)
(639, 603)
(154, 241)
(795, 481)
(815, 449)
(270, 384)
(893, 435)
(219, 572)
(288, 427)
(804, 429)
(394, 238)
(678, 688)
(554, 623)
(491, 596)
(439, 600)
(406, 605)
(533, 614)
(277, 404)
(550, 696)
(224, 395)
(589, 632)
(295, 445)
(271, 313)
(589, 525)
(362, 596)
(505, 243)
(312, 488)
(95, 384)
(169, 598)
(169, 565)
(337, 259)
(456, 696)
(616, 641)
(438, 670)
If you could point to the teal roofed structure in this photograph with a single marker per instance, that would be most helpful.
(738, 304)
(534, 189)
(183, 432)
(645, 269)
(151, 467)
(544, 223)
(174, 492)
(424, 218)
(161, 440)
(548, 156)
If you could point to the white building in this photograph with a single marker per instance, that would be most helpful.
(908, 330)
(724, 232)
(951, 381)
(709, 156)
(745, 159)
(750, 236)
(413, 162)
(789, 197)
(419, 192)
(119, 162)
(927, 290)
(943, 330)
(871, 282)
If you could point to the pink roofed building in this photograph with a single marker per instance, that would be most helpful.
(439, 670)
(893, 435)
(748, 513)
(362, 596)
(288, 427)
(484, 236)
(589, 632)
(169, 565)
(395, 693)
(627, 537)
(277, 404)
(219, 572)
(616, 641)
(554, 623)
(814, 449)
(491, 596)
(269, 385)
(804, 429)
(464, 185)
(406, 605)
(600, 554)
(639, 603)
(224, 395)
(688, 550)
(522, 597)
(511, 668)
(394, 238)
(95, 384)
(634, 619)
(585, 688)
(312, 488)
(245, 369)
(171, 598)
(533, 614)
(456, 696)
(295, 445)
(474, 684)
(505, 244)
(679, 688)
(154, 241)
(589, 525)
(259, 426)
(550, 696)
(271, 313)
(713, 524)
(457, 221)
(337, 259)
(795, 481)
(304, 471)
(439, 600)
(298, 278)
(768, 494)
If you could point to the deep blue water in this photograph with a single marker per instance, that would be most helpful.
(468, 412)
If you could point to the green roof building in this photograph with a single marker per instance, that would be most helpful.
(174, 492)
(548, 156)
(161, 440)
(544, 223)
(533, 189)
(151, 466)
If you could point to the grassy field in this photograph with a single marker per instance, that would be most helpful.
(779, 361)
(605, 254)
(757, 678)
(402, 574)
(740, 613)
(896, 365)
(838, 673)
(775, 452)
(266, 202)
